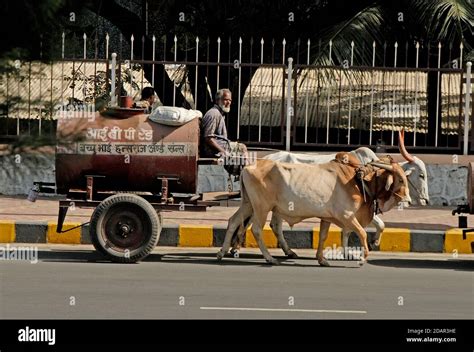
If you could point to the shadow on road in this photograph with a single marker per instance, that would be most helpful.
(245, 259)
(256, 259)
(70, 256)
(450, 264)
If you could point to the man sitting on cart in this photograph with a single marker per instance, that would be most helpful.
(214, 139)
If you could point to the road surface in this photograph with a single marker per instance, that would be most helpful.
(70, 282)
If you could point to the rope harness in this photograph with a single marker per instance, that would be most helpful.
(362, 170)
(360, 174)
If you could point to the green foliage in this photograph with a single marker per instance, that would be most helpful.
(445, 20)
(363, 29)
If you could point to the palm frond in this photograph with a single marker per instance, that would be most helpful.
(445, 20)
(363, 30)
(357, 34)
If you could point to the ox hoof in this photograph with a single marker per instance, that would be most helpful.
(324, 262)
(234, 253)
(292, 255)
(373, 246)
(220, 255)
(272, 261)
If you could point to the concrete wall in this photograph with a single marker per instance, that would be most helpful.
(447, 182)
(213, 178)
(18, 172)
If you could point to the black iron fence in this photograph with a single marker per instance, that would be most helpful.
(336, 106)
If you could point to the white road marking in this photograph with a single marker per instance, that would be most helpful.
(286, 310)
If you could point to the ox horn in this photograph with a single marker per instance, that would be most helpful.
(401, 146)
(383, 166)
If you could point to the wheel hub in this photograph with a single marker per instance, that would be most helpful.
(125, 228)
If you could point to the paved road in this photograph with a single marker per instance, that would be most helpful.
(69, 282)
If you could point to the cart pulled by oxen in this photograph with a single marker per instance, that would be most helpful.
(129, 167)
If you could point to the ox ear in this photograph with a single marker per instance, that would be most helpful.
(342, 157)
(389, 182)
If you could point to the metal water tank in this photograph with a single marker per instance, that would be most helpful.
(127, 150)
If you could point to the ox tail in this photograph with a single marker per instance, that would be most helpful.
(238, 237)
(243, 192)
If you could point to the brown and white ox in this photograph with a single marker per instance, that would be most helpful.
(330, 191)
(414, 168)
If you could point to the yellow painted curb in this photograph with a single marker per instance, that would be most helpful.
(7, 231)
(334, 237)
(395, 240)
(453, 242)
(195, 236)
(70, 237)
(269, 238)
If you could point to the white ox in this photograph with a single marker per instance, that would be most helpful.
(330, 191)
(414, 168)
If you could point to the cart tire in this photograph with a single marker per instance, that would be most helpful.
(125, 228)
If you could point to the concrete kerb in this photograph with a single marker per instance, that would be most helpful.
(393, 239)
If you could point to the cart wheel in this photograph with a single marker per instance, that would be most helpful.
(125, 228)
